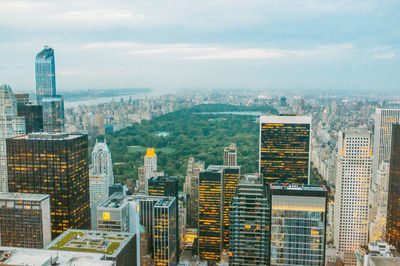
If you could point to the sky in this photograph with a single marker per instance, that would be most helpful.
(208, 44)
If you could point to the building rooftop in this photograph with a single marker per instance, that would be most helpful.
(381, 261)
(23, 196)
(115, 201)
(165, 202)
(297, 187)
(30, 256)
(285, 119)
(107, 243)
(48, 136)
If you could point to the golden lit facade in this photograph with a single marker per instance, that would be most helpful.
(54, 164)
(285, 149)
(393, 211)
(210, 207)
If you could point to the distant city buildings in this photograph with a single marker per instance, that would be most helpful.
(24, 220)
(285, 149)
(10, 125)
(353, 175)
(54, 164)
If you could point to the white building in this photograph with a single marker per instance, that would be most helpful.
(353, 174)
(99, 188)
(150, 163)
(102, 162)
(384, 119)
(10, 126)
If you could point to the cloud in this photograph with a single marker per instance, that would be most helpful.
(388, 55)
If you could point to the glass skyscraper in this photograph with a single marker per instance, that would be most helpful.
(45, 74)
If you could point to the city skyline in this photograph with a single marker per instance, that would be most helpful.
(262, 45)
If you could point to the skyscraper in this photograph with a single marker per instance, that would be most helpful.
(393, 210)
(353, 175)
(45, 74)
(33, 114)
(102, 162)
(150, 163)
(53, 104)
(384, 119)
(249, 223)
(54, 164)
(285, 148)
(217, 186)
(10, 125)
(298, 224)
(190, 188)
(99, 189)
(230, 155)
(24, 220)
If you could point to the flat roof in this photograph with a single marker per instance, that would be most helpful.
(33, 256)
(107, 243)
(297, 187)
(48, 136)
(381, 261)
(285, 119)
(22, 196)
(115, 201)
(165, 202)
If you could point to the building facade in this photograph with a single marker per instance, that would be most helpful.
(24, 220)
(285, 149)
(10, 125)
(54, 164)
(298, 224)
(45, 74)
(99, 189)
(53, 113)
(230, 155)
(393, 210)
(249, 223)
(33, 114)
(353, 175)
(102, 161)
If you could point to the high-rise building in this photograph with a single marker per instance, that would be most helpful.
(384, 119)
(24, 220)
(99, 189)
(142, 181)
(150, 163)
(190, 188)
(53, 113)
(217, 186)
(102, 162)
(353, 175)
(113, 214)
(230, 155)
(393, 210)
(249, 223)
(45, 74)
(54, 164)
(285, 149)
(10, 125)
(33, 114)
(298, 224)
(22, 99)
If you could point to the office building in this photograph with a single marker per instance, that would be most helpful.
(150, 163)
(99, 189)
(230, 155)
(384, 119)
(117, 188)
(118, 247)
(378, 251)
(33, 114)
(165, 232)
(353, 175)
(393, 210)
(10, 125)
(22, 99)
(45, 74)
(113, 214)
(54, 164)
(285, 149)
(249, 223)
(190, 188)
(53, 113)
(24, 220)
(102, 162)
(13, 256)
(298, 224)
(216, 188)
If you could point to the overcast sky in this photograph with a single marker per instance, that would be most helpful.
(161, 44)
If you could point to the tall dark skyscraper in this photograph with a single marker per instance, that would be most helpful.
(285, 148)
(217, 186)
(33, 114)
(393, 211)
(249, 223)
(53, 104)
(45, 74)
(54, 164)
